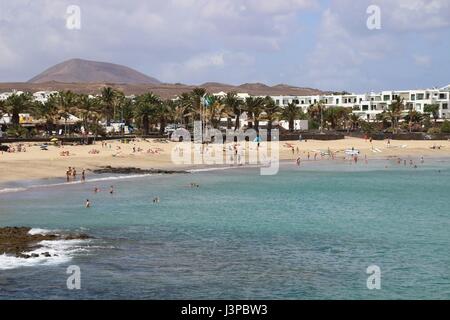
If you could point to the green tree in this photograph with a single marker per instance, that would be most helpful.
(16, 104)
(48, 110)
(271, 114)
(235, 107)
(316, 111)
(433, 110)
(445, 127)
(254, 106)
(291, 113)
(394, 112)
(413, 118)
(108, 97)
(146, 105)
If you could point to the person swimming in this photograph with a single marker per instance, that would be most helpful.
(96, 190)
(156, 200)
(111, 190)
(88, 203)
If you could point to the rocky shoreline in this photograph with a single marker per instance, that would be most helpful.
(134, 170)
(17, 241)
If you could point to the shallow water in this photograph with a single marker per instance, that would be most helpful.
(306, 233)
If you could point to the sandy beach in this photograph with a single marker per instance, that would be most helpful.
(39, 164)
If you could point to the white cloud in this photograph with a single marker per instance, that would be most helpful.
(422, 60)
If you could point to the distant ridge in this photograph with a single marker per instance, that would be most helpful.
(84, 76)
(86, 71)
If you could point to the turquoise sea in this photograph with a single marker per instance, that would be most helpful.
(306, 233)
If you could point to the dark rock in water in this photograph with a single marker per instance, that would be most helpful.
(17, 240)
(133, 170)
(46, 254)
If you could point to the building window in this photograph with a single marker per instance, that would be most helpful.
(445, 106)
(413, 97)
(386, 97)
(365, 107)
(442, 96)
(420, 96)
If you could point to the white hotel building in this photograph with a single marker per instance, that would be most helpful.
(368, 105)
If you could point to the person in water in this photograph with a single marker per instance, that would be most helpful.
(88, 203)
(83, 175)
(111, 190)
(96, 190)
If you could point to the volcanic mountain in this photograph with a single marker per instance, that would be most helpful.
(85, 71)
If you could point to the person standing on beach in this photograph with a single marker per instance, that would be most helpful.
(68, 174)
(83, 176)
(74, 174)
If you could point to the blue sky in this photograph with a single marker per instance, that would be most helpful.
(311, 43)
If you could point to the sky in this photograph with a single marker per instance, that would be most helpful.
(325, 44)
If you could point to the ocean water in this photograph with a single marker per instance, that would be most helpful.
(306, 233)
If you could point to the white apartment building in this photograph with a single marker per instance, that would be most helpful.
(43, 96)
(368, 105)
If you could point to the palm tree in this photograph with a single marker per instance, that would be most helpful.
(16, 104)
(216, 110)
(89, 112)
(108, 96)
(354, 121)
(126, 108)
(2, 107)
(67, 103)
(234, 105)
(271, 113)
(291, 113)
(254, 107)
(432, 109)
(316, 113)
(413, 117)
(163, 114)
(197, 95)
(48, 111)
(394, 112)
(185, 108)
(336, 116)
(146, 105)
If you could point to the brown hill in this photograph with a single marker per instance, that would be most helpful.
(166, 91)
(85, 71)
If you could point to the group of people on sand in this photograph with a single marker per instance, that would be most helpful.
(19, 148)
(71, 174)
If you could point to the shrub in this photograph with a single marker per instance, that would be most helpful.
(17, 132)
(434, 131)
(445, 128)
